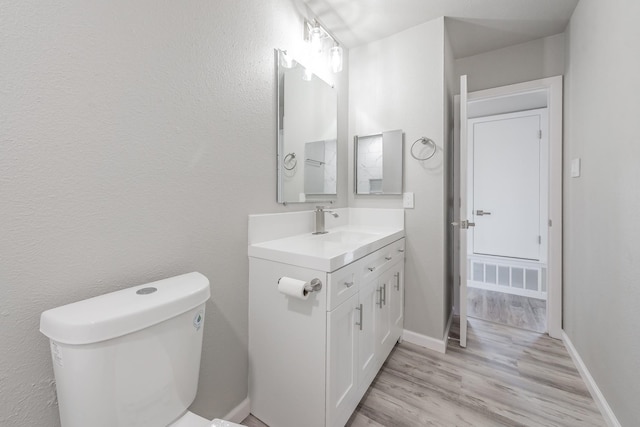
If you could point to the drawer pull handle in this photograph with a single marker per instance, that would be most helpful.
(360, 310)
(348, 284)
(388, 258)
(397, 281)
(400, 250)
(384, 294)
(371, 268)
(380, 297)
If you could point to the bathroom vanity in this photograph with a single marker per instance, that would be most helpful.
(312, 360)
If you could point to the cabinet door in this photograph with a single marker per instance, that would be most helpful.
(367, 368)
(384, 341)
(342, 361)
(397, 301)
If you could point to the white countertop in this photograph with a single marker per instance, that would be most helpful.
(327, 252)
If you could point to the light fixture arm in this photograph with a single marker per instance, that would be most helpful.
(310, 25)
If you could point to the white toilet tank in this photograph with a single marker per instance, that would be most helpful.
(129, 358)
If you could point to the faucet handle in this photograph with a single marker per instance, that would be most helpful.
(319, 208)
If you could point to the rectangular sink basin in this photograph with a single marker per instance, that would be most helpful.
(346, 236)
(326, 252)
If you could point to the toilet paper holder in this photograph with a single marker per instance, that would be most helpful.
(314, 286)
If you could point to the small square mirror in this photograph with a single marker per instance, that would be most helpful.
(378, 163)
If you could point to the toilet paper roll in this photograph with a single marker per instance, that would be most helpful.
(293, 287)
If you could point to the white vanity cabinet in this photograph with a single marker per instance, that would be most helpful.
(311, 361)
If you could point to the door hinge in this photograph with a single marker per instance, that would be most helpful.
(550, 223)
(540, 134)
(539, 240)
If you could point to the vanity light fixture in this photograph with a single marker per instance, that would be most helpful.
(335, 58)
(315, 38)
(315, 35)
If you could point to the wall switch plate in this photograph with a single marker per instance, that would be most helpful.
(575, 168)
(407, 200)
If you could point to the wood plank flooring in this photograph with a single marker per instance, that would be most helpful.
(508, 309)
(505, 377)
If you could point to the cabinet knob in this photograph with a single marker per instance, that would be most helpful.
(400, 250)
(348, 284)
(371, 268)
(388, 258)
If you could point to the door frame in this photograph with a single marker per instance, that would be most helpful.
(554, 89)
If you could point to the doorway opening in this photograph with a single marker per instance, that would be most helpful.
(507, 178)
(507, 194)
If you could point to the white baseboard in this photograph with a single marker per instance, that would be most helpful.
(439, 345)
(598, 397)
(240, 412)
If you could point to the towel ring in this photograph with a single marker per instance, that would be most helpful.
(290, 158)
(425, 141)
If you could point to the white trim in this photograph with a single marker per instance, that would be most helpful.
(553, 86)
(424, 341)
(439, 345)
(598, 397)
(240, 412)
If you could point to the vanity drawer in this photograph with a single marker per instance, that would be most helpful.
(342, 284)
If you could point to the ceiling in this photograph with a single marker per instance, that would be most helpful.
(474, 26)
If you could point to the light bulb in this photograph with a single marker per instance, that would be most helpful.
(315, 39)
(335, 58)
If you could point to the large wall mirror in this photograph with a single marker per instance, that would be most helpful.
(307, 134)
(378, 163)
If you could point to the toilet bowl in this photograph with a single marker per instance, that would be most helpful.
(131, 358)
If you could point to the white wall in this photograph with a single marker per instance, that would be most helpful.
(601, 233)
(528, 61)
(397, 83)
(135, 137)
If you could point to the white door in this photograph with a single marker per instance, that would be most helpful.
(463, 222)
(505, 155)
(343, 324)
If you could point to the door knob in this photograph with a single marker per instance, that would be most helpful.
(481, 213)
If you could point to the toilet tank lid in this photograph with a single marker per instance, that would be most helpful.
(122, 312)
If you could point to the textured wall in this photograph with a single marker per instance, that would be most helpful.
(135, 137)
(601, 252)
(532, 60)
(398, 83)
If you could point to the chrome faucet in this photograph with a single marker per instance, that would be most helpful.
(320, 219)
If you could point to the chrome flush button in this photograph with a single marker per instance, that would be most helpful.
(146, 291)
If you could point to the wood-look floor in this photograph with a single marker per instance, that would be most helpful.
(505, 377)
(508, 309)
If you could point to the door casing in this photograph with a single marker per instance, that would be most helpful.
(554, 90)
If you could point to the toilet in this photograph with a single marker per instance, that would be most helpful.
(131, 358)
